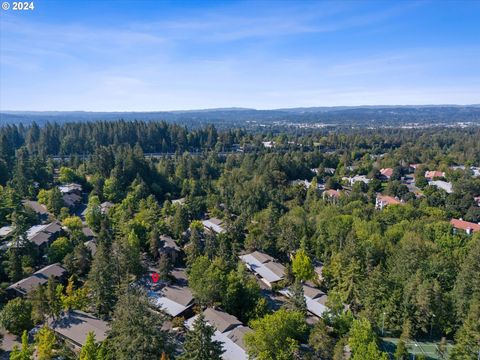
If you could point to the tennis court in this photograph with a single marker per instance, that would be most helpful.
(429, 349)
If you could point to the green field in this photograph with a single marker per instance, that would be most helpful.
(415, 348)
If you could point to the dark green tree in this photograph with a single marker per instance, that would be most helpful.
(199, 344)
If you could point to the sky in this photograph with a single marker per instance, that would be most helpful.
(117, 55)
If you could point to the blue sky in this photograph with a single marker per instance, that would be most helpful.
(160, 55)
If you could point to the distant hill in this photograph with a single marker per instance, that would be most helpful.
(242, 117)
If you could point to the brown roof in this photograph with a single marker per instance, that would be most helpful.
(46, 234)
(332, 193)
(465, 225)
(168, 243)
(389, 200)
(434, 174)
(277, 268)
(71, 199)
(221, 320)
(262, 257)
(312, 292)
(180, 294)
(237, 334)
(75, 326)
(387, 172)
(36, 207)
(40, 277)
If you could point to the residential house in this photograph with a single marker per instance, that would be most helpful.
(228, 330)
(105, 207)
(314, 298)
(383, 201)
(169, 247)
(5, 232)
(44, 235)
(215, 225)
(356, 178)
(444, 185)
(29, 284)
(430, 175)
(174, 300)
(268, 144)
(74, 326)
(92, 246)
(332, 195)
(265, 267)
(180, 201)
(39, 209)
(386, 173)
(468, 227)
(71, 194)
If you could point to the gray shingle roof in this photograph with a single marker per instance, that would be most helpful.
(221, 320)
(75, 326)
(40, 277)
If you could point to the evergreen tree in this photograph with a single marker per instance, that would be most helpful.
(53, 298)
(164, 266)
(199, 344)
(38, 299)
(297, 302)
(136, 333)
(401, 352)
(89, 350)
(467, 339)
(102, 282)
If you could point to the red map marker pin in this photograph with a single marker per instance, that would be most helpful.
(155, 277)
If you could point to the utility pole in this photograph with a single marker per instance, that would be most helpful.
(383, 323)
(431, 325)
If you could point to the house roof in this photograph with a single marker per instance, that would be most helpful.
(5, 231)
(71, 200)
(315, 299)
(65, 189)
(262, 257)
(173, 300)
(237, 334)
(277, 268)
(168, 243)
(444, 185)
(75, 326)
(465, 225)
(388, 200)
(36, 207)
(105, 206)
(387, 172)
(92, 246)
(214, 224)
(231, 338)
(433, 174)
(88, 232)
(312, 292)
(179, 201)
(41, 234)
(268, 270)
(180, 294)
(221, 320)
(40, 277)
(333, 193)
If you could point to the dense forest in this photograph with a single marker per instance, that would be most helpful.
(401, 271)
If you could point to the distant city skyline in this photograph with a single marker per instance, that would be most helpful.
(172, 55)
